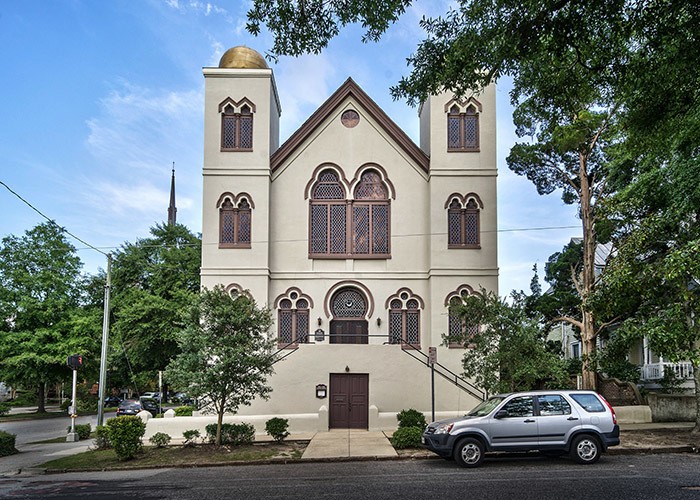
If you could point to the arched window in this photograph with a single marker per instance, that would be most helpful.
(370, 216)
(463, 221)
(235, 221)
(342, 228)
(404, 318)
(349, 324)
(236, 125)
(457, 330)
(292, 318)
(328, 217)
(463, 126)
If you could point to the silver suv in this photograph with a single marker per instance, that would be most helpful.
(581, 423)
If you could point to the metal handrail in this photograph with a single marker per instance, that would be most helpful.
(452, 377)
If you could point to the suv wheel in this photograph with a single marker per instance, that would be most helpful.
(469, 452)
(585, 449)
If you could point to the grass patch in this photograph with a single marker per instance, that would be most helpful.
(178, 456)
(33, 416)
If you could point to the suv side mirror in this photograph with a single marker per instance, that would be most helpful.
(501, 414)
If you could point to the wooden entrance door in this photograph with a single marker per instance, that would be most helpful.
(349, 331)
(349, 397)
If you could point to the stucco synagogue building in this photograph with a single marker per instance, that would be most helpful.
(354, 236)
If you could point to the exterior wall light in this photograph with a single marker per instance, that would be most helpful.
(321, 391)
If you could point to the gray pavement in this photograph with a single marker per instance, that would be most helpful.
(346, 443)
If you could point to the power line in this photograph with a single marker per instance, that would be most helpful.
(52, 221)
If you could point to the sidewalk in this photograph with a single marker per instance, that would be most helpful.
(348, 443)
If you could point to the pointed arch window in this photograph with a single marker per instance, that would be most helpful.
(458, 332)
(463, 221)
(236, 125)
(235, 222)
(404, 318)
(293, 318)
(463, 127)
(349, 228)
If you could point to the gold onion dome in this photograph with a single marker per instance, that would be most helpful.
(242, 57)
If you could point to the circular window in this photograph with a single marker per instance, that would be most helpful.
(350, 118)
(349, 303)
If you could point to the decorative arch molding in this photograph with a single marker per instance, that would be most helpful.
(463, 104)
(382, 173)
(234, 290)
(404, 295)
(348, 284)
(464, 199)
(462, 292)
(235, 199)
(293, 294)
(237, 105)
(317, 173)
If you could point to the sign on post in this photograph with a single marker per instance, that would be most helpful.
(432, 355)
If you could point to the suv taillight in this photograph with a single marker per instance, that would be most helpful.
(609, 406)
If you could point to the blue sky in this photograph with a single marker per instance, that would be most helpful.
(100, 98)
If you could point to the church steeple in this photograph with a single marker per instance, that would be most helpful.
(172, 210)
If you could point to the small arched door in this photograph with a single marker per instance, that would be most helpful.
(349, 324)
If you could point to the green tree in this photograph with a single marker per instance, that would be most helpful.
(40, 299)
(509, 352)
(153, 281)
(225, 354)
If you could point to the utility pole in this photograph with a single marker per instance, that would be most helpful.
(105, 340)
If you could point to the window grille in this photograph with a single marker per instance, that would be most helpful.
(235, 224)
(293, 321)
(236, 128)
(463, 129)
(349, 303)
(404, 321)
(347, 228)
(463, 229)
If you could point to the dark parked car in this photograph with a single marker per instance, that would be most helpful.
(128, 407)
(112, 401)
(150, 405)
(580, 423)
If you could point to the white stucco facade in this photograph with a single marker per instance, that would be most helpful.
(419, 181)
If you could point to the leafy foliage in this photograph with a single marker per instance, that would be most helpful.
(407, 437)
(102, 437)
(508, 353)
(4, 409)
(7, 444)
(82, 430)
(234, 434)
(277, 428)
(225, 354)
(184, 411)
(159, 439)
(411, 418)
(125, 434)
(191, 437)
(40, 306)
(153, 280)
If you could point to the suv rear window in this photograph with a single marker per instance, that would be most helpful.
(588, 402)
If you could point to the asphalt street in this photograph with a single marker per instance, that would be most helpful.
(648, 477)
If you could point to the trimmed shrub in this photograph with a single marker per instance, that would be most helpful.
(82, 430)
(102, 437)
(86, 406)
(125, 434)
(66, 403)
(277, 428)
(184, 411)
(7, 444)
(159, 439)
(191, 437)
(234, 434)
(4, 409)
(407, 437)
(411, 418)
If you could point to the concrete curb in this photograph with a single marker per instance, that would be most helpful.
(286, 461)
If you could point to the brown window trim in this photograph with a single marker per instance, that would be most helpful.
(294, 322)
(237, 132)
(462, 148)
(463, 229)
(236, 228)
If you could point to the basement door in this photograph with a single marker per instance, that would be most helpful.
(349, 397)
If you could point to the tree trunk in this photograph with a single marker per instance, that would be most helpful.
(588, 332)
(40, 399)
(219, 422)
(696, 379)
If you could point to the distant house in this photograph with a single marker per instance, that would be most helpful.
(651, 366)
(357, 238)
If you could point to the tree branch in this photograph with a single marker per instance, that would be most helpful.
(570, 320)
